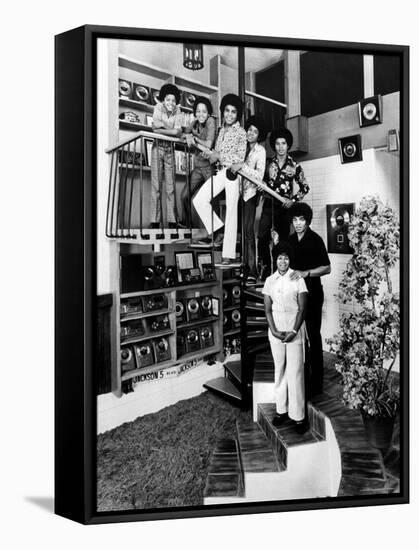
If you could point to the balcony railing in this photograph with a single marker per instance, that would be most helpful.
(126, 217)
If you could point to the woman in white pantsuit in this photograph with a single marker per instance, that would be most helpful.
(285, 305)
(230, 149)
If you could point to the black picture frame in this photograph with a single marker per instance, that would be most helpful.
(76, 374)
(350, 149)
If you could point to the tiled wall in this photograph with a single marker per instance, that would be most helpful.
(332, 182)
(149, 397)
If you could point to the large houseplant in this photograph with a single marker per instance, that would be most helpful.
(368, 339)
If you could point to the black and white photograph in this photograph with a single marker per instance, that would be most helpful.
(291, 188)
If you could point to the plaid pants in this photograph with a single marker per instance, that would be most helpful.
(162, 170)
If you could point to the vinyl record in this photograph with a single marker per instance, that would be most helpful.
(369, 111)
(350, 149)
(141, 93)
(179, 309)
(340, 218)
(125, 88)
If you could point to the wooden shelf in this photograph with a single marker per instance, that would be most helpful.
(125, 318)
(231, 281)
(145, 107)
(196, 354)
(165, 290)
(148, 336)
(203, 321)
(137, 126)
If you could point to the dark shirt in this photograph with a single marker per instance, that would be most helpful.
(309, 253)
(205, 132)
(282, 178)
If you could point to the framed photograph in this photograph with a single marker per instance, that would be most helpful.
(183, 261)
(350, 149)
(184, 398)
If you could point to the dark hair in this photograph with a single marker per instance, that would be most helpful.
(281, 133)
(235, 101)
(301, 209)
(259, 123)
(205, 101)
(168, 89)
(282, 248)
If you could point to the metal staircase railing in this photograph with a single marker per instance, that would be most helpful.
(126, 173)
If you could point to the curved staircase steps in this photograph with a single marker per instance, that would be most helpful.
(253, 293)
(254, 306)
(225, 477)
(256, 452)
(234, 372)
(225, 387)
(285, 437)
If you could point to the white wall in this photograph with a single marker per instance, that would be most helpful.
(150, 397)
(332, 182)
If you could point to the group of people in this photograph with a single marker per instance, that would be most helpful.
(293, 294)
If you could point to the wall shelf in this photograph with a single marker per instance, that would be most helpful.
(198, 322)
(148, 336)
(133, 316)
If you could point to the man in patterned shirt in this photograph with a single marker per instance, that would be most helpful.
(283, 175)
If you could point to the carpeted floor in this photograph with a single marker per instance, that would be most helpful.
(161, 460)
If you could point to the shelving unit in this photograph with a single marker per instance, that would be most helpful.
(179, 292)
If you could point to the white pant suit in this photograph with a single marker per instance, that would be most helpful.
(288, 358)
(202, 204)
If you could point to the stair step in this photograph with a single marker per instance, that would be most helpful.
(257, 334)
(286, 432)
(225, 387)
(258, 347)
(254, 293)
(234, 368)
(253, 306)
(256, 322)
(264, 368)
(256, 452)
(225, 478)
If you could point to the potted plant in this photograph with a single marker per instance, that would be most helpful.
(368, 339)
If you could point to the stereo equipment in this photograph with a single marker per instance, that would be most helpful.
(208, 272)
(162, 350)
(338, 219)
(144, 354)
(155, 302)
(140, 92)
(193, 310)
(125, 88)
(154, 96)
(130, 116)
(180, 312)
(132, 329)
(188, 99)
(180, 344)
(156, 324)
(127, 359)
(235, 294)
(225, 322)
(370, 111)
(206, 336)
(235, 318)
(129, 157)
(192, 341)
(225, 296)
(169, 276)
(151, 279)
(206, 306)
(350, 149)
(130, 306)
